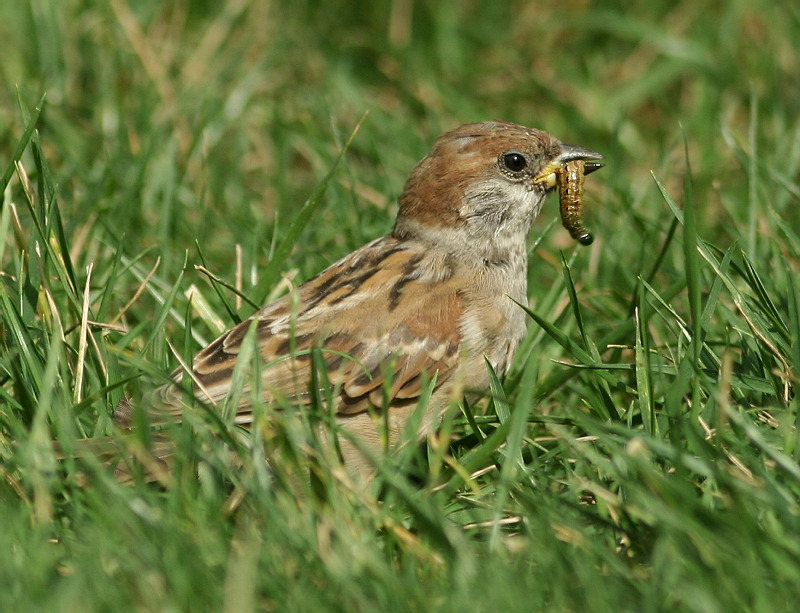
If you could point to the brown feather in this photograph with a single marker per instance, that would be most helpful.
(432, 301)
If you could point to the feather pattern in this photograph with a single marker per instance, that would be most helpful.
(432, 300)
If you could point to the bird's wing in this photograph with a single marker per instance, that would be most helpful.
(380, 328)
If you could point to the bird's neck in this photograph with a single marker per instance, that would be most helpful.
(499, 260)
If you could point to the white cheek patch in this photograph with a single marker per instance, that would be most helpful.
(500, 203)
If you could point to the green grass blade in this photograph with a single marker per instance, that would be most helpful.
(30, 126)
(271, 272)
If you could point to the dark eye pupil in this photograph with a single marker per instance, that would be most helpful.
(514, 161)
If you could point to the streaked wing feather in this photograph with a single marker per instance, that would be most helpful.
(336, 312)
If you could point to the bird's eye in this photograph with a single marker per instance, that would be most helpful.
(515, 162)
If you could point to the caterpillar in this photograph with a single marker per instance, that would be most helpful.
(570, 194)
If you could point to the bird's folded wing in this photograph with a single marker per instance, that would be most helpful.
(366, 359)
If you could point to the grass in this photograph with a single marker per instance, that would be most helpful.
(642, 454)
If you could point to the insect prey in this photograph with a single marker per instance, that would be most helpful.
(570, 194)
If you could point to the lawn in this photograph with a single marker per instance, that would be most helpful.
(168, 167)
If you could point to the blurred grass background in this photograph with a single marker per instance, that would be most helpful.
(649, 459)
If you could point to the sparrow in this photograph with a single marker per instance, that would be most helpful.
(426, 305)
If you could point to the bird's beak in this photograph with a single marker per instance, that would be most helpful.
(569, 153)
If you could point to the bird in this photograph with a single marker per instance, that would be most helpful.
(422, 308)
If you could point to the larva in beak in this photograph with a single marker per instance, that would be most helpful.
(570, 194)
